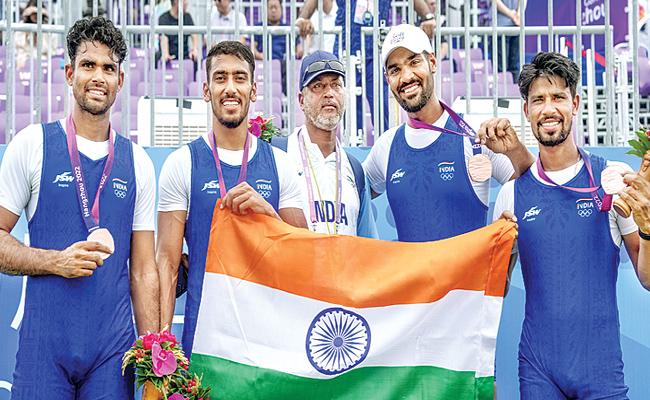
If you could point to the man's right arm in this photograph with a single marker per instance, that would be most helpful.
(303, 23)
(173, 204)
(169, 245)
(80, 259)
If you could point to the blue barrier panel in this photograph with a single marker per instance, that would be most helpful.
(633, 301)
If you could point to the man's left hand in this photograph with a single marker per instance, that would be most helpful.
(498, 135)
(243, 199)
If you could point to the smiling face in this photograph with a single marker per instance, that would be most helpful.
(323, 101)
(230, 89)
(410, 77)
(95, 77)
(550, 109)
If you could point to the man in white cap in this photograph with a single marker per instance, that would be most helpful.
(336, 197)
(435, 169)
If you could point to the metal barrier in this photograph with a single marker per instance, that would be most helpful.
(611, 111)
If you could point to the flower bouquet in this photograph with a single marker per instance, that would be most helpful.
(162, 368)
(640, 147)
(263, 128)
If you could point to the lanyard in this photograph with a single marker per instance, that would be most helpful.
(90, 216)
(306, 163)
(603, 205)
(458, 120)
(242, 169)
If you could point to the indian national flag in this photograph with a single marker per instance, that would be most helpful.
(289, 314)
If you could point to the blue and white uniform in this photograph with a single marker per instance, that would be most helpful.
(570, 341)
(188, 182)
(75, 331)
(424, 174)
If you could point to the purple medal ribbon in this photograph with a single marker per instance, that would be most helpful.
(242, 169)
(310, 190)
(90, 216)
(603, 205)
(458, 120)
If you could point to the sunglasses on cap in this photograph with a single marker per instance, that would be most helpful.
(317, 66)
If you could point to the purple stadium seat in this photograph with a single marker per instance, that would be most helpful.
(170, 89)
(22, 120)
(195, 89)
(168, 75)
(445, 67)
(188, 69)
(116, 122)
(137, 53)
(133, 103)
(3, 131)
(448, 96)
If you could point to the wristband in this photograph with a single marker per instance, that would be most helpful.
(643, 235)
(428, 17)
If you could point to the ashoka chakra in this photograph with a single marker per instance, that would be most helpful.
(337, 340)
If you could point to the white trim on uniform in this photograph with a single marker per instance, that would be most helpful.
(376, 164)
(22, 164)
(175, 181)
(618, 226)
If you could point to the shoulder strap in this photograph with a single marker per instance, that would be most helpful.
(280, 142)
(359, 177)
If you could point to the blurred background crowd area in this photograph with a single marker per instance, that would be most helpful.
(161, 103)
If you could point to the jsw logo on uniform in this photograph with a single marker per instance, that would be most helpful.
(397, 175)
(65, 177)
(210, 185)
(532, 213)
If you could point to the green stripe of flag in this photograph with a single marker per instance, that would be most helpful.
(231, 380)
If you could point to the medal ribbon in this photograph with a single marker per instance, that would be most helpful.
(242, 169)
(302, 145)
(90, 216)
(603, 205)
(458, 120)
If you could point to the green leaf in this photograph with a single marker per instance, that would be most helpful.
(641, 135)
(637, 145)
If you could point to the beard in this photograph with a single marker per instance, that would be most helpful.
(93, 109)
(230, 122)
(326, 123)
(551, 141)
(418, 103)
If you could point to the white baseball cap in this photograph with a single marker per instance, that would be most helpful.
(407, 36)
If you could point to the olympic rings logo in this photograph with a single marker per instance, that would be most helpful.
(585, 212)
(447, 176)
(120, 194)
(265, 193)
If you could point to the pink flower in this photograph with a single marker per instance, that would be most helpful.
(166, 336)
(255, 129)
(177, 396)
(164, 362)
(258, 120)
(148, 340)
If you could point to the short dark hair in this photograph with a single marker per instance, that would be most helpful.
(548, 64)
(96, 29)
(233, 48)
